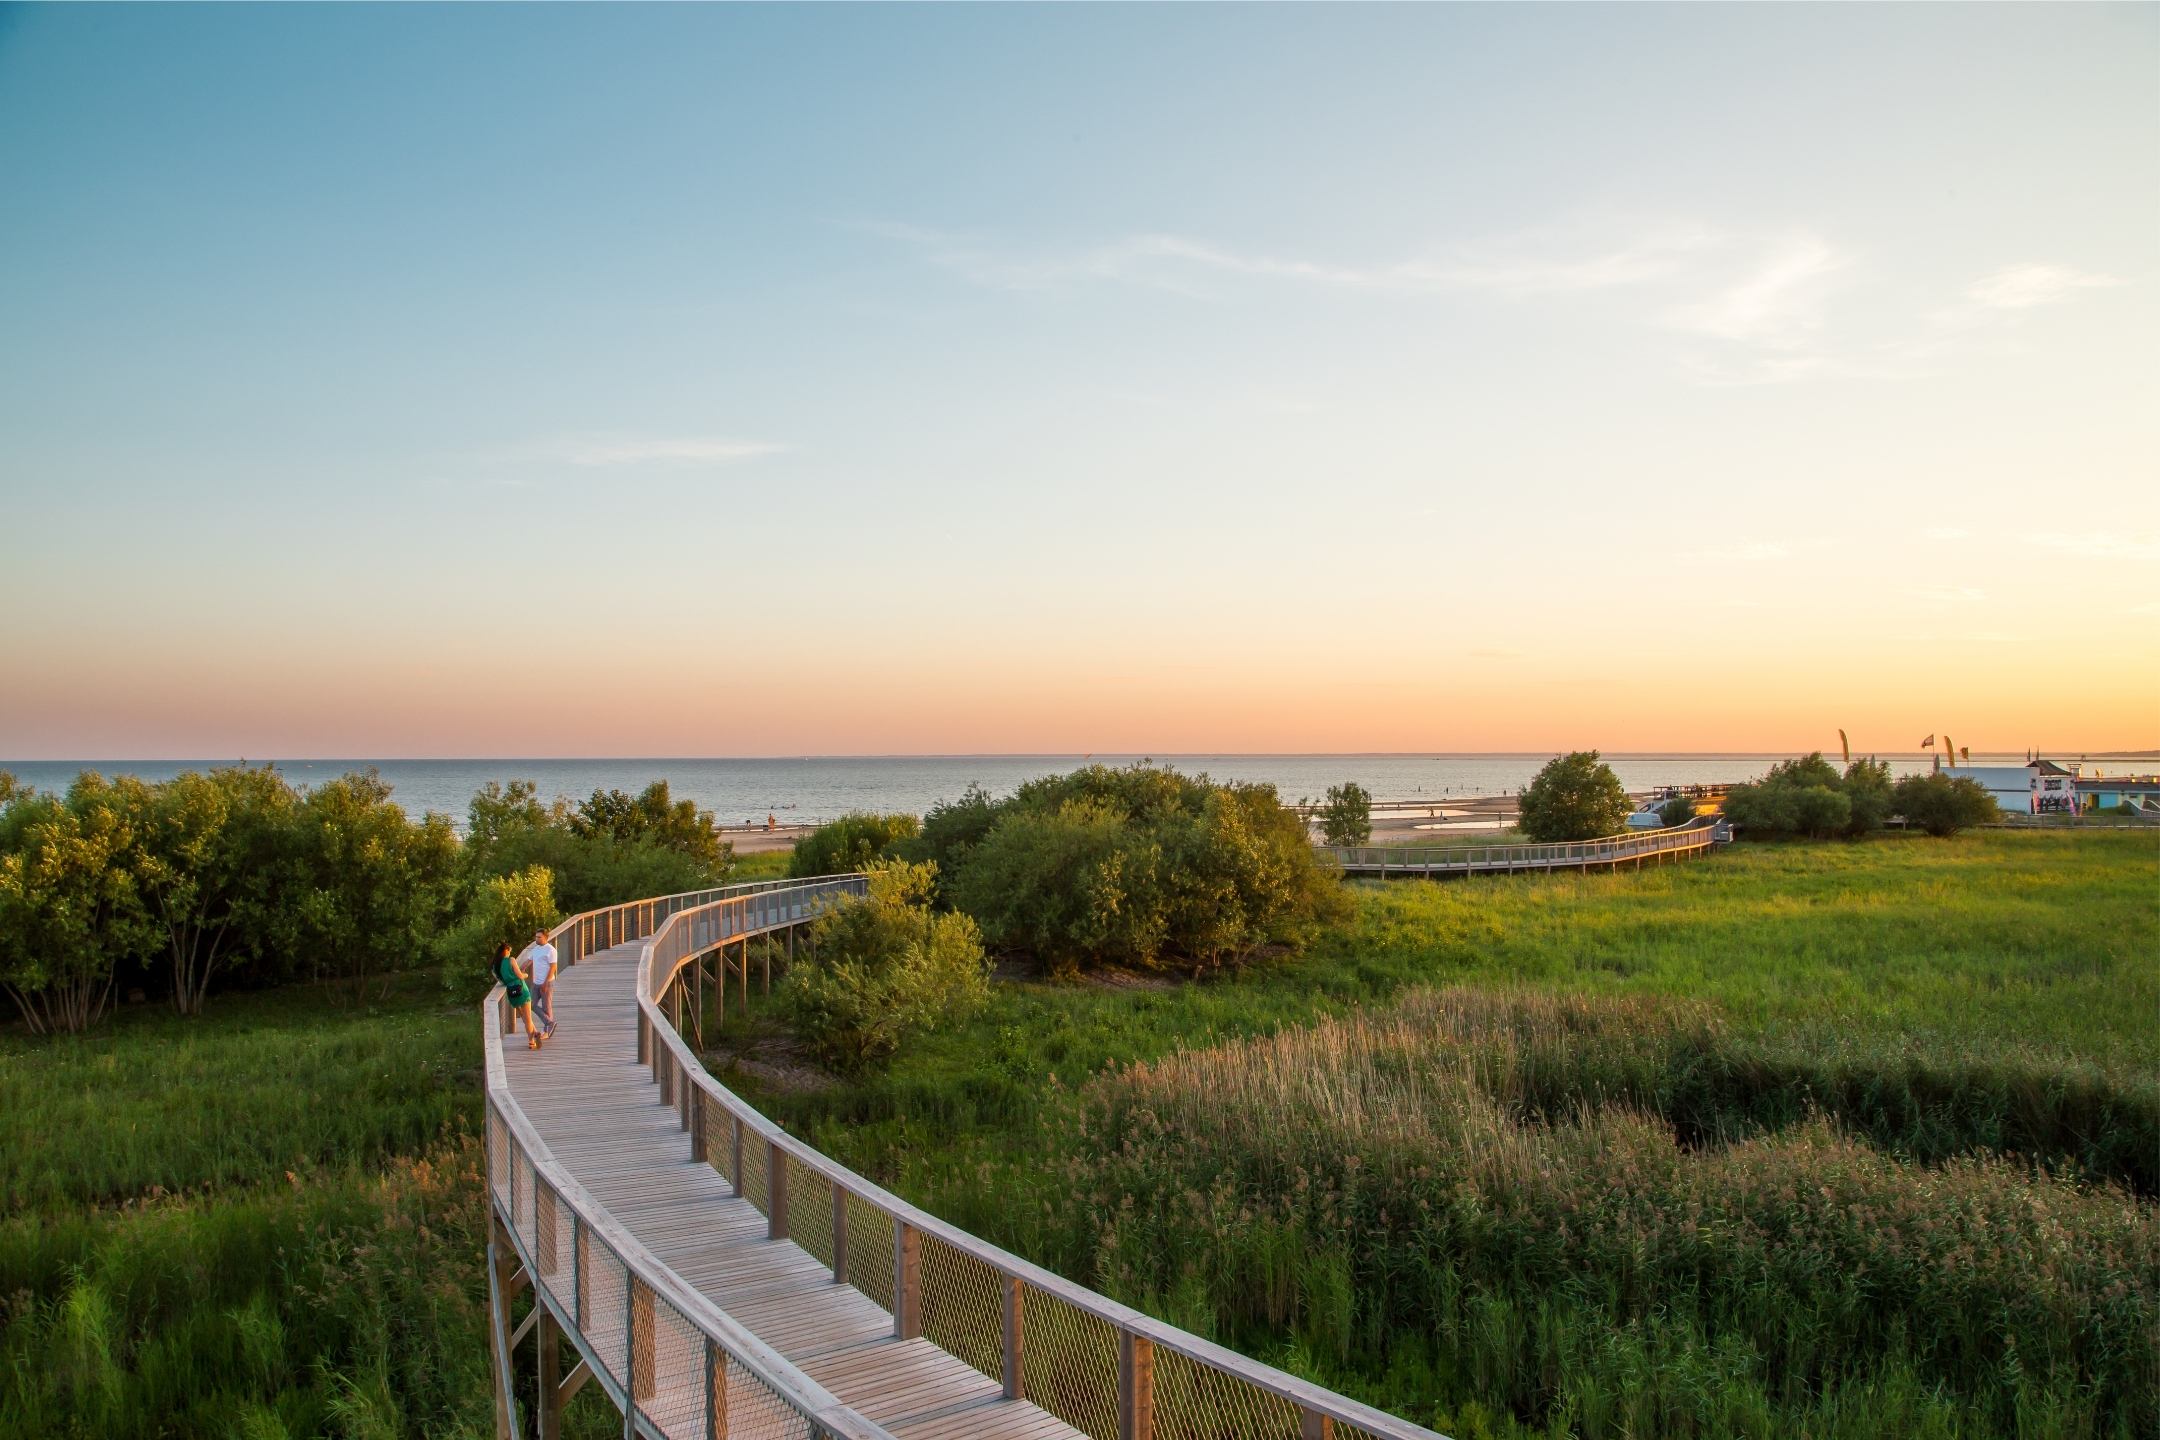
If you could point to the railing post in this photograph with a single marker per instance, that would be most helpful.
(1015, 1339)
(839, 1233)
(907, 1280)
(715, 1391)
(544, 1229)
(577, 1271)
(664, 1072)
(1136, 1387)
(776, 1191)
(1313, 1425)
(644, 1037)
(735, 1167)
(697, 1124)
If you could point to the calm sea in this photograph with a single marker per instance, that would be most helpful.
(815, 788)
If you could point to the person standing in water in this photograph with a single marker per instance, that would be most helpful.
(517, 992)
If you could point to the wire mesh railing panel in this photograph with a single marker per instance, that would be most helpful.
(498, 1143)
(605, 1301)
(963, 1306)
(673, 1370)
(810, 1211)
(1069, 1363)
(755, 1411)
(1196, 1401)
(719, 1138)
(869, 1251)
(754, 1178)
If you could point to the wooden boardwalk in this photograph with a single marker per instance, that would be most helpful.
(599, 1112)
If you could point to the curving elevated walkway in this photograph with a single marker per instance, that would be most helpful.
(1610, 853)
(718, 1278)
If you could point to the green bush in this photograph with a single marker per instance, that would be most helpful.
(1140, 866)
(853, 842)
(1941, 805)
(1574, 797)
(1808, 797)
(884, 967)
(1346, 819)
(952, 829)
(507, 910)
(1676, 811)
(652, 817)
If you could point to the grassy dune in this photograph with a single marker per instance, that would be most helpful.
(1786, 1141)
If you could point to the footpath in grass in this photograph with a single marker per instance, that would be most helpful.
(1943, 1049)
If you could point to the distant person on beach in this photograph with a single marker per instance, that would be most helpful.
(539, 961)
(770, 822)
(517, 992)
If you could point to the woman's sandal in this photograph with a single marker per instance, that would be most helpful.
(532, 1044)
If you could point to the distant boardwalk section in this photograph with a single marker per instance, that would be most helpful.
(1611, 853)
(717, 1277)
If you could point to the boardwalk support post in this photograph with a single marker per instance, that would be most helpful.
(547, 1404)
(1015, 1340)
(1313, 1425)
(1136, 1387)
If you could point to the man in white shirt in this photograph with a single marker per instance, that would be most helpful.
(540, 964)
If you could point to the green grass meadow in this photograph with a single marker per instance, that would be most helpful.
(1769, 1143)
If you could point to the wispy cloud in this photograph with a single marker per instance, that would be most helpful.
(605, 451)
(1542, 264)
(2020, 287)
(1945, 534)
(1777, 302)
(2102, 544)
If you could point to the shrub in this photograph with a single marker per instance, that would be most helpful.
(1141, 866)
(1676, 811)
(884, 967)
(854, 842)
(506, 909)
(652, 817)
(1808, 797)
(1942, 805)
(952, 829)
(1346, 819)
(71, 904)
(1575, 797)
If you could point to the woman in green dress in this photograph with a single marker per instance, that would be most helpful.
(518, 991)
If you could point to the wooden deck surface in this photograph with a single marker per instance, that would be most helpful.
(599, 1111)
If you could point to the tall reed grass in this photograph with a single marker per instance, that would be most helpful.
(1479, 1194)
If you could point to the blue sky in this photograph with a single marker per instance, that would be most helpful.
(1075, 379)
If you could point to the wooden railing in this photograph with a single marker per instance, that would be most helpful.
(1695, 836)
(1105, 1369)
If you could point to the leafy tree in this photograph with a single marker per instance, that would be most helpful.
(952, 829)
(1807, 796)
(506, 909)
(213, 858)
(1069, 885)
(652, 817)
(1139, 866)
(499, 812)
(1575, 797)
(1872, 794)
(855, 841)
(378, 885)
(883, 968)
(1676, 811)
(1346, 819)
(1941, 805)
(71, 908)
(508, 830)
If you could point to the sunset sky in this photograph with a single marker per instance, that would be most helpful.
(679, 381)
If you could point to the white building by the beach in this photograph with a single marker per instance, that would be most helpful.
(2038, 787)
